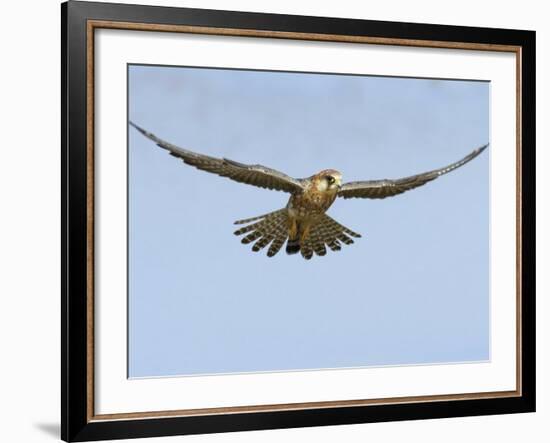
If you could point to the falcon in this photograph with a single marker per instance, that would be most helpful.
(303, 223)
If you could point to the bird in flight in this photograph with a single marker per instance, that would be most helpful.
(303, 223)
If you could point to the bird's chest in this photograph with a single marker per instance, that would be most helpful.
(310, 202)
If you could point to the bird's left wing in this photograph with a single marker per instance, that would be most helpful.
(388, 188)
(256, 175)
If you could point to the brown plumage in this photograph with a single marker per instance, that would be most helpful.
(268, 228)
(303, 223)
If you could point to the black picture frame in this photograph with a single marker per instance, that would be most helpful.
(77, 424)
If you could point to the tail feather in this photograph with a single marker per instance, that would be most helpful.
(329, 234)
(258, 217)
(344, 238)
(277, 244)
(293, 246)
(306, 249)
(246, 229)
(272, 230)
(251, 237)
(326, 232)
(262, 243)
(317, 241)
(269, 229)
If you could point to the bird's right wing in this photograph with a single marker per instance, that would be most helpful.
(389, 188)
(256, 175)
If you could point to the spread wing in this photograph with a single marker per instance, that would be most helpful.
(256, 175)
(388, 188)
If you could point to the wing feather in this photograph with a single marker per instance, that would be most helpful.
(256, 175)
(388, 188)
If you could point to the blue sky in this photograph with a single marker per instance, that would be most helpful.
(413, 290)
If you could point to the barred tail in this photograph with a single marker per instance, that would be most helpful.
(269, 229)
(326, 231)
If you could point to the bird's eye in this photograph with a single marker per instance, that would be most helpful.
(331, 179)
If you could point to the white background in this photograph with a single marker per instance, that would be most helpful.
(29, 238)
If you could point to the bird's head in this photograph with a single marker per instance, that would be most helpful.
(328, 180)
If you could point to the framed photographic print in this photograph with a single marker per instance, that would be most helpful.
(277, 221)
